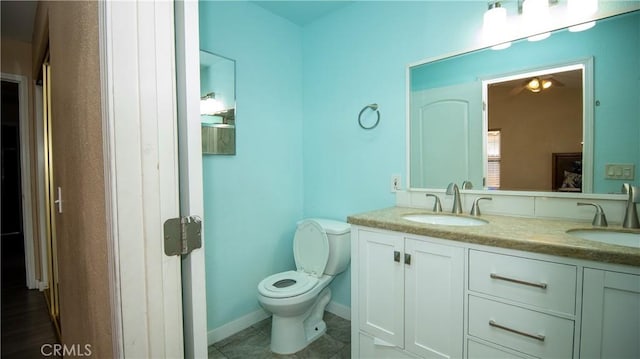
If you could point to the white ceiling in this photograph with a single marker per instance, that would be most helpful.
(17, 19)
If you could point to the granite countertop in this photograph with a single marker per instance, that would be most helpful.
(527, 234)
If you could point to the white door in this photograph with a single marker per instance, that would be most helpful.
(610, 315)
(147, 183)
(434, 285)
(446, 120)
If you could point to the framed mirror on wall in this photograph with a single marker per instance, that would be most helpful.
(476, 111)
(217, 104)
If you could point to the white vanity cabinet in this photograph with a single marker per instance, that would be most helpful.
(422, 297)
(410, 296)
(610, 315)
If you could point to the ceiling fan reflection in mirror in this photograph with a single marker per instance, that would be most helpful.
(538, 84)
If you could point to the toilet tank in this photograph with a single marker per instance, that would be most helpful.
(339, 235)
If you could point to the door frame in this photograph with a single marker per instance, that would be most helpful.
(187, 55)
(25, 176)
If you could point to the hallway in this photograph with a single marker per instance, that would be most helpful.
(26, 325)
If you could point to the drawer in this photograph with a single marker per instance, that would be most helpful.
(373, 348)
(476, 350)
(534, 333)
(543, 284)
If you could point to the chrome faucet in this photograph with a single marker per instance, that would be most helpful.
(599, 220)
(475, 209)
(437, 207)
(631, 214)
(453, 189)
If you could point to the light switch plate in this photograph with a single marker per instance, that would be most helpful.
(619, 171)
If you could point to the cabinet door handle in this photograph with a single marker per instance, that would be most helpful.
(539, 337)
(513, 280)
(407, 258)
(396, 256)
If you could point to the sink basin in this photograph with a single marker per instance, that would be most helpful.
(607, 236)
(444, 219)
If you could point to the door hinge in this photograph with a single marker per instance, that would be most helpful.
(182, 235)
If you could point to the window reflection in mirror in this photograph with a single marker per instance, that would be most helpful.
(217, 104)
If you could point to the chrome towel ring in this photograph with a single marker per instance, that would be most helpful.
(372, 107)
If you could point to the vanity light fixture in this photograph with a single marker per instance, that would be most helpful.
(209, 105)
(494, 27)
(536, 17)
(580, 10)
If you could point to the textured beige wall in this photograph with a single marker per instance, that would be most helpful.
(534, 125)
(17, 60)
(85, 313)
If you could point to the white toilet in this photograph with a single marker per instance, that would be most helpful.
(297, 299)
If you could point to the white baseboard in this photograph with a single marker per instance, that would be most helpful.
(226, 330)
(231, 328)
(340, 310)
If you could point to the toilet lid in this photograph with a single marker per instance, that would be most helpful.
(311, 248)
(286, 284)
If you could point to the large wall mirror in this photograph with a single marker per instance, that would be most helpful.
(548, 116)
(217, 104)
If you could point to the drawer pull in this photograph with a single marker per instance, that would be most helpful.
(396, 256)
(513, 280)
(534, 336)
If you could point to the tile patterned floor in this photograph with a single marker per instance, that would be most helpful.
(253, 342)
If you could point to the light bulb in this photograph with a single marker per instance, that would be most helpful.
(580, 10)
(494, 26)
(536, 18)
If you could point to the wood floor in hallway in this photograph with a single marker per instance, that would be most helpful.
(26, 325)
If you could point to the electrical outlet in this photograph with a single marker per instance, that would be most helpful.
(396, 183)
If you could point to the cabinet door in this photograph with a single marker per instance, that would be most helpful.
(610, 315)
(381, 286)
(434, 300)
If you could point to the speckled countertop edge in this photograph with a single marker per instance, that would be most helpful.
(527, 234)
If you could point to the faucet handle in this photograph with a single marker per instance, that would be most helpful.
(437, 206)
(466, 185)
(475, 209)
(632, 191)
(599, 220)
(451, 188)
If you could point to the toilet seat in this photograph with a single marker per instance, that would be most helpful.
(311, 253)
(287, 284)
(311, 248)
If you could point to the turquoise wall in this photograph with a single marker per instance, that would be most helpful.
(300, 151)
(253, 199)
(354, 57)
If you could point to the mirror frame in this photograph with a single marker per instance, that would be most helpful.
(596, 17)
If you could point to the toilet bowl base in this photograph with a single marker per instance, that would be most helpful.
(292, 334)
